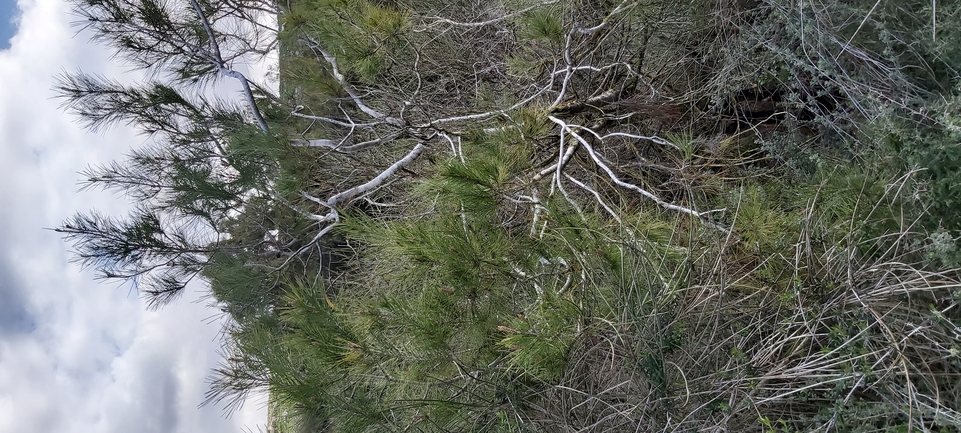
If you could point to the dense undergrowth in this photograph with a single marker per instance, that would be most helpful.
(585, 216)
(815, 289)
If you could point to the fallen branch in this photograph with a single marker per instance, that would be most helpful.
(610, 174)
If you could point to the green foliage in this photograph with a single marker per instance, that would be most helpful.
(544, 23)
(360, 33)
(318, 329)
(761, 225)
(243, 291)
(383, 22)
(934, 149)
(539, 338)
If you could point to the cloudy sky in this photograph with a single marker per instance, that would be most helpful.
(76, 355)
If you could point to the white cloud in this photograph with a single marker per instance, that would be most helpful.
(77, 356)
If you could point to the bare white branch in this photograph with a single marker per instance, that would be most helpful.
(610, 174)
(501, 18)
(379, 179)
(335, 71)
(224, 70)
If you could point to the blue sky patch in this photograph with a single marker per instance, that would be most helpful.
(9, 14)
